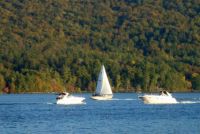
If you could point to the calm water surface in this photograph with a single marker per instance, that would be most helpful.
(125, 114)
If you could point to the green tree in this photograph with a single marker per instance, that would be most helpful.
(196, 83)
(2, 83)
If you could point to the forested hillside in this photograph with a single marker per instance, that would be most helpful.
(53, 45)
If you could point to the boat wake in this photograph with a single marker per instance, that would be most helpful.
(20, 103)
(189, 102)
(50, 103)
(126, 99)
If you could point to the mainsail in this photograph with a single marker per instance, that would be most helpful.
(103, 85)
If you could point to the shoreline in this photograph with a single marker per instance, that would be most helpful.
(92, 92)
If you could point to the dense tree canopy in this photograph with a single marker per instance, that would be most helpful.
(53, 45)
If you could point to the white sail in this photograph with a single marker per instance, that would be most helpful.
(103, 85)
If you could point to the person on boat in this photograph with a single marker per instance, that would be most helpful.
(163, 93)
(61, 95)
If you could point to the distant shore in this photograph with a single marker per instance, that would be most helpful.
(92, 92)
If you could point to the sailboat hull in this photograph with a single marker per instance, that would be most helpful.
(103, 97)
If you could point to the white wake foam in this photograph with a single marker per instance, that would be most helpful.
(189, 102)
(50, 103)
(126, 99)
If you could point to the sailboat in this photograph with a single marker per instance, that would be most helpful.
(103, 89)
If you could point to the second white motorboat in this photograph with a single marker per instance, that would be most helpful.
(67, 99)
(163, 98)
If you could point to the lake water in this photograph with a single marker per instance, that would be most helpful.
(125, 114)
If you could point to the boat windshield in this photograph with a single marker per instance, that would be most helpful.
(164, 93)
(64, 94)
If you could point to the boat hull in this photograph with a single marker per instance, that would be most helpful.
(71, 100)
(157, 99)
(103, 97)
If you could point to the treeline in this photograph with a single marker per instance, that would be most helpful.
(56, 45)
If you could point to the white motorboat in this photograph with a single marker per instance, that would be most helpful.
(67, 99)
(103, 89)
(163, 98)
